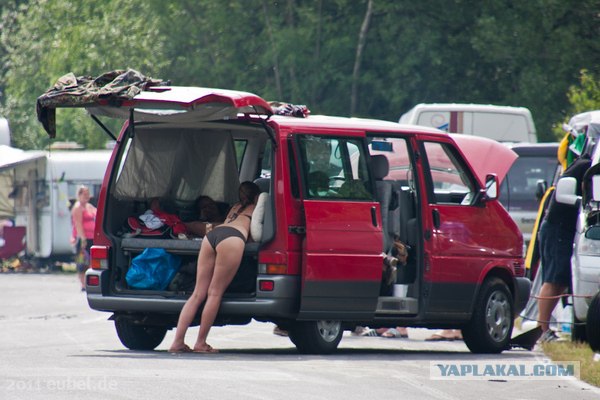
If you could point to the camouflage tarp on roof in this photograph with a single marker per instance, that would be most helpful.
(71, 91)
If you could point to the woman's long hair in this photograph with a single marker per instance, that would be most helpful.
(248, 193)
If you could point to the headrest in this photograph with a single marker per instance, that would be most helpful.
(258, 217)
(380, 165)
(263, 184)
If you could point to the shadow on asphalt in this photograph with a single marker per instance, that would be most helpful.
(288, 354)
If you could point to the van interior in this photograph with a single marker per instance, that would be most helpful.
(176, 165)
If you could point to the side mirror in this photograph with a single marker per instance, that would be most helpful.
(491, 186)
(566, 191)
(540, 189)
(593, 232)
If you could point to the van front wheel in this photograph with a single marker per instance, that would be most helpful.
(316, 337)
(139, 337)
(491, 324)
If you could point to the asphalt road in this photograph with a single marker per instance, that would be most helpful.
(52, 346)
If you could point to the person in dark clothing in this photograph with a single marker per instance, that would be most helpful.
(556, 246)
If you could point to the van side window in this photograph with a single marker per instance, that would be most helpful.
(293, 171)
(396, 151)
(335, 168)
(266, 164)
(450, 180)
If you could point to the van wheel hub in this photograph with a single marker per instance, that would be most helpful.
(329, 330)
(498, 316)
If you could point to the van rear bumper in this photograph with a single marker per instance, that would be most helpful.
(523, 289)
(282, 302)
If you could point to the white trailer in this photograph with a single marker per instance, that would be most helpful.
(4, 132)
(65, 172)
(43, 194)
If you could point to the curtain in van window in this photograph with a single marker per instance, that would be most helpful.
(179, 165)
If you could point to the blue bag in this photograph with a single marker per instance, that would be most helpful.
(153, 269)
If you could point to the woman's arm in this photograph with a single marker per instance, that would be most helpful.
(77, 215)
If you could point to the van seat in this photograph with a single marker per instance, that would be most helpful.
(263, 184)
(404, 223)
(380, 166)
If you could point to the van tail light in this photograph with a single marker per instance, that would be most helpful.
(266, 285)
(99, 257)
(272, 269)
(93, 280)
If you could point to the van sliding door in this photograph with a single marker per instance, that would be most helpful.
(341, 266)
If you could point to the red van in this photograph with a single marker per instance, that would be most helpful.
(338, 191)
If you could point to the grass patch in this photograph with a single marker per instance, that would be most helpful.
(573, 351)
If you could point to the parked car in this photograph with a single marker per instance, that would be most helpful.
(585, 262)
(315, 268)
(527, 180)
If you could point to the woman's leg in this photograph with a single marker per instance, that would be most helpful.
(205, 269)
(229, 256)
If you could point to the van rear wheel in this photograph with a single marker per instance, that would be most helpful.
(139, 337)
(316, 337)
(491, 324)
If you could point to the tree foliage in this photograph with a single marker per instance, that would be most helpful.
(368, 58)
(585, 96)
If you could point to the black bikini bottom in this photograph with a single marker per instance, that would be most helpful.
(221, 233)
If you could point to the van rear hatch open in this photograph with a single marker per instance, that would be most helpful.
(129, 94)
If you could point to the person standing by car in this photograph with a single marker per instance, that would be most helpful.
(218, 261)
(556, 247)
(83, 219)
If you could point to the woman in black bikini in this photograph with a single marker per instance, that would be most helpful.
(218, 261)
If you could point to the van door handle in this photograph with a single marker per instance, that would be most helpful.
(436, 218)
(374, 216)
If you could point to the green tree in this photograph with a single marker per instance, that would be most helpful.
(369, 58)
(582, 97)
(48, 38)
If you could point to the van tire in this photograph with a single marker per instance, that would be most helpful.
(593, 323)
(491, 324)
(316, 337)
(139, 337)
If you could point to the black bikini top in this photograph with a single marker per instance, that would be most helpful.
(237, 214)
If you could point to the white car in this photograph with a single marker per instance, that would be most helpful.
(585, 262)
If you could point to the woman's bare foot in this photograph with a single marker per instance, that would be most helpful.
(180, 349)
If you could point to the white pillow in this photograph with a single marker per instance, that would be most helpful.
(258, 216)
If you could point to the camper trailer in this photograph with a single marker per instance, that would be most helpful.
(18, 180)
(4, 132)
(43, 197)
